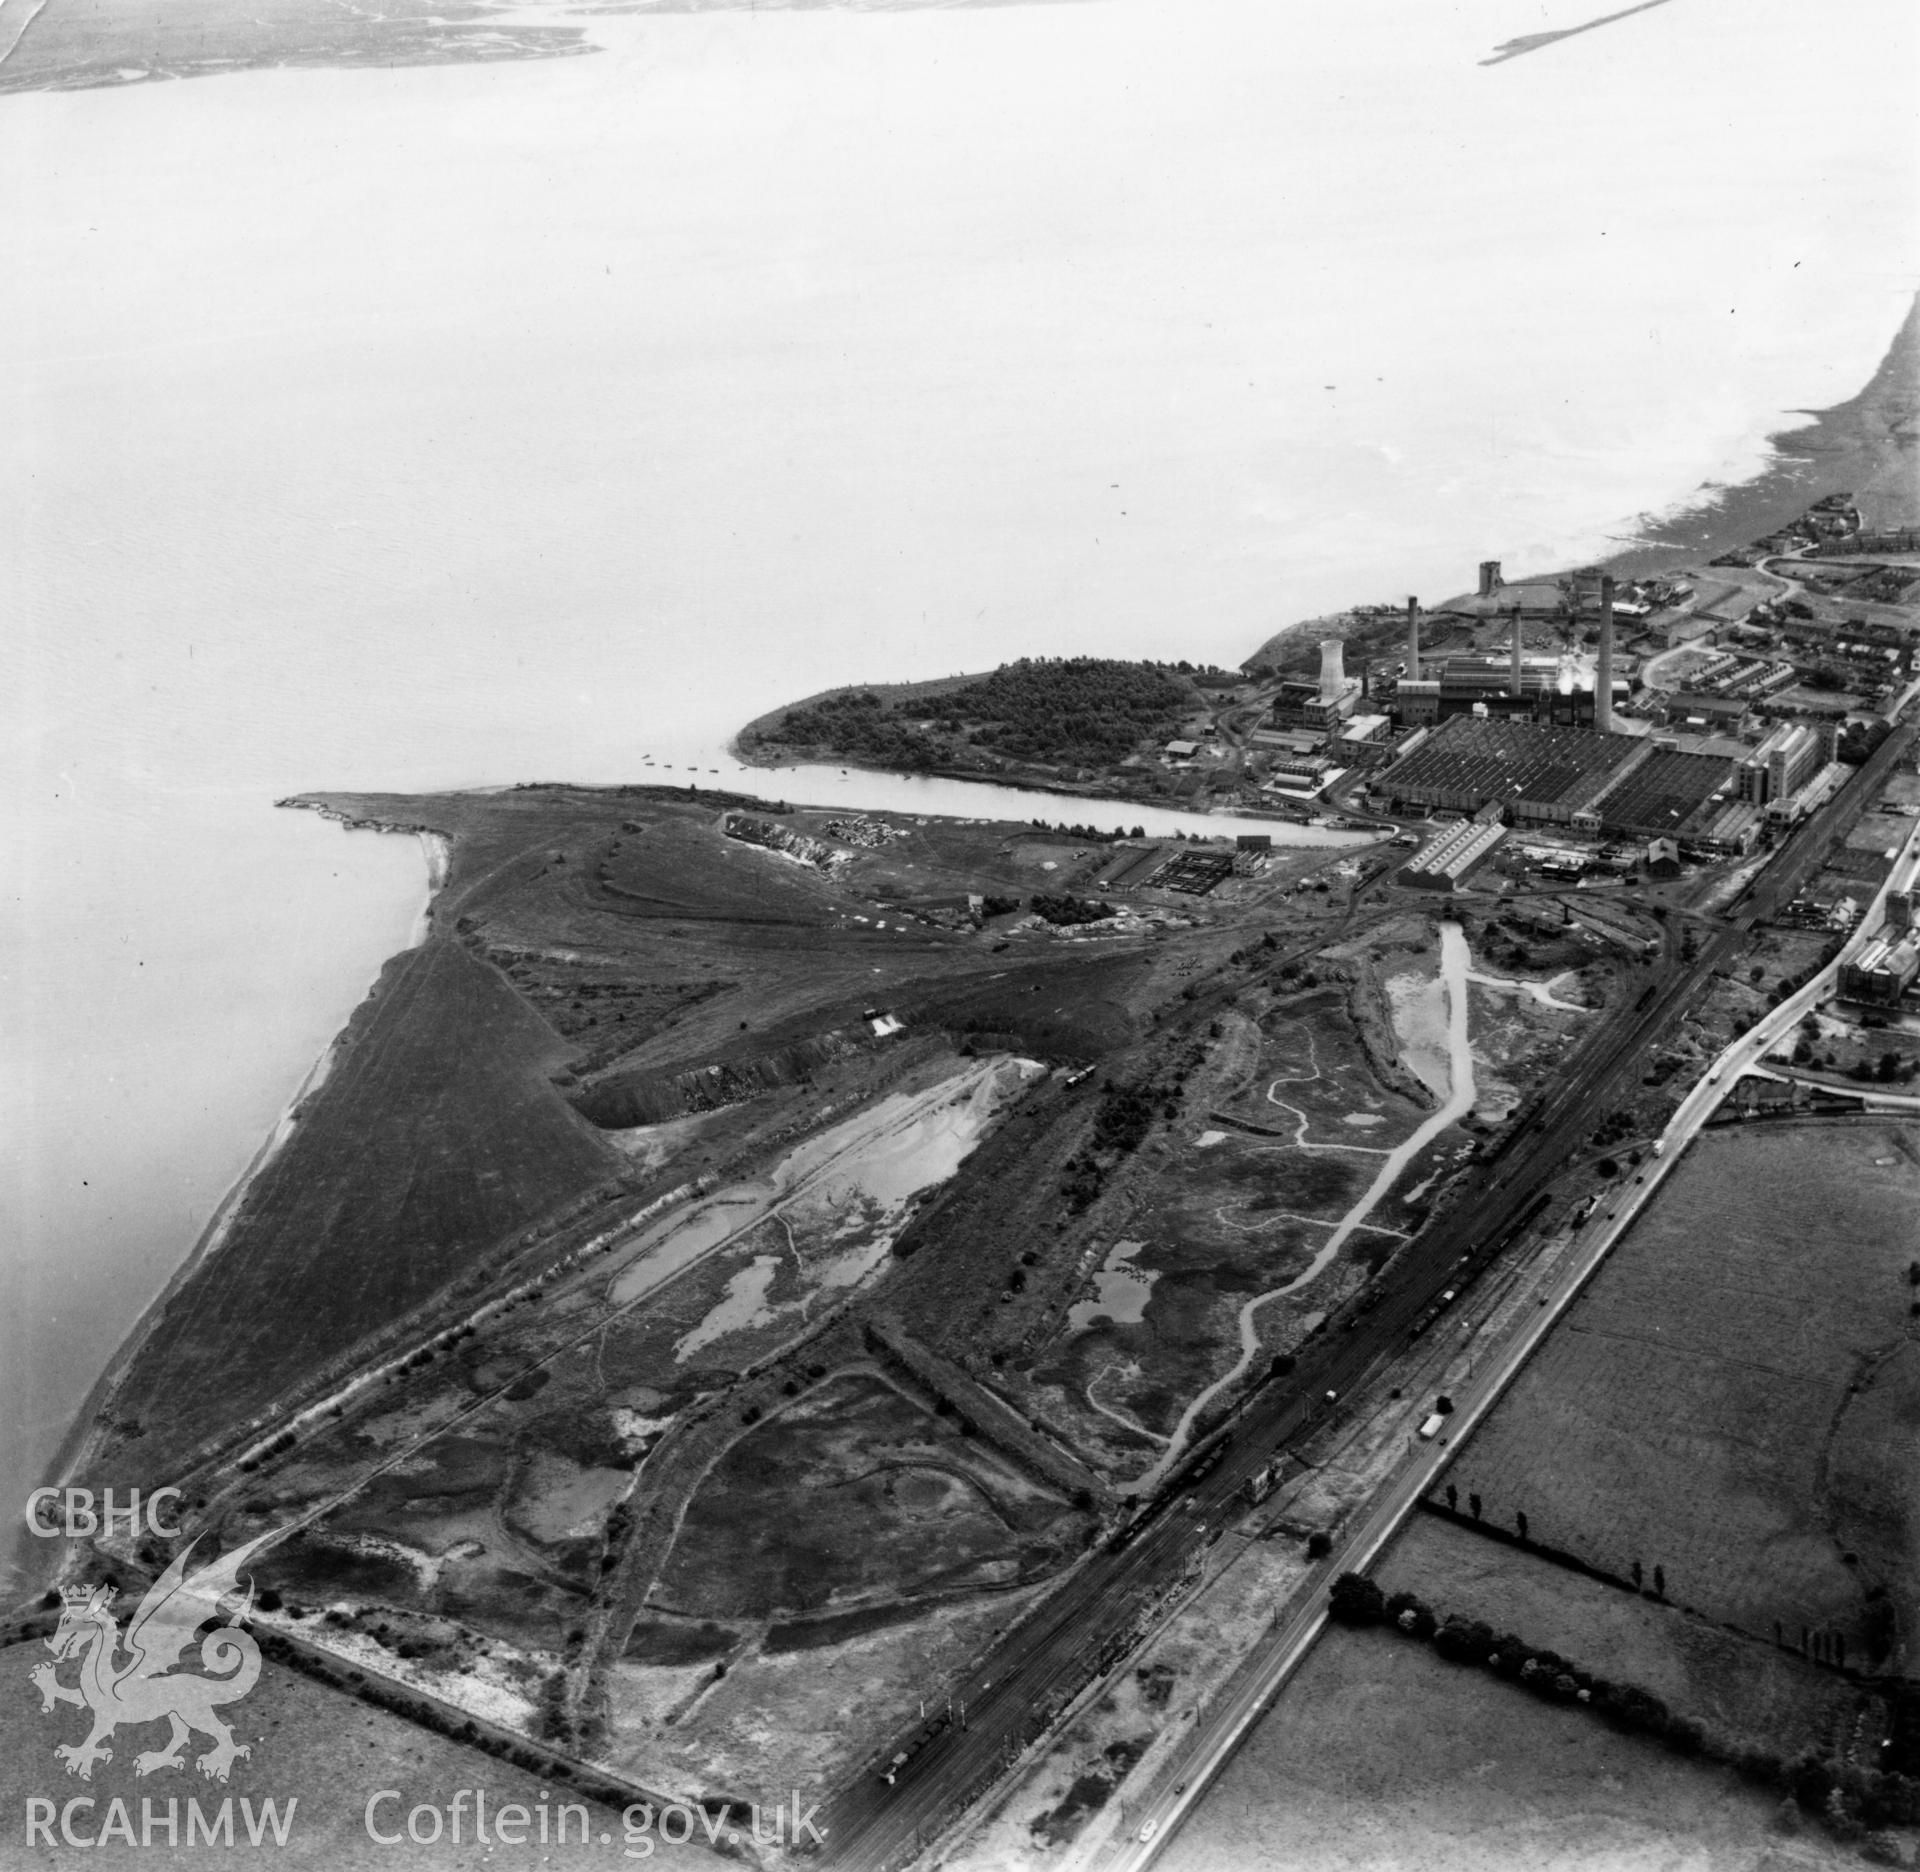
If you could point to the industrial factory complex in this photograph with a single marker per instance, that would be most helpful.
(1539, 737)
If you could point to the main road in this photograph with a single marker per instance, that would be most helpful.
(1215, 1739)
(891, 1812)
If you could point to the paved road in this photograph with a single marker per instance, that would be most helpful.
(874, 1825)
(1872, 1094)
(1216, 1738)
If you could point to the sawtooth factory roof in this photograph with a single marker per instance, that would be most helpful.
(1471, 759)
(1663, 793)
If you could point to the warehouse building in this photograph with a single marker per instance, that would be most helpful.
(1724, 829)
(1701, 708)
(1882, 972)
(1785, 760)
(1446, 858)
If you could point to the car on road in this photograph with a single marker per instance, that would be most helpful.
(1148, 1831)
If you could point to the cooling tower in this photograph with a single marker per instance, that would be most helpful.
(1333, 676)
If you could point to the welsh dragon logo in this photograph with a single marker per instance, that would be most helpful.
(142, 1686)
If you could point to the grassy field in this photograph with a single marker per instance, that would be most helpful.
(1744, 1690)
(1732, 1400)
(1381, 1757)
(436, 1135)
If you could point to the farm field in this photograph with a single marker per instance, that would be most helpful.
(1382, 1757)
(1734, 1401)
(1746, 1692)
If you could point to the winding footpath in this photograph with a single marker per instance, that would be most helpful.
(1454, 960)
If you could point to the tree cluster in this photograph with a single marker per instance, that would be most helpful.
(1849, 1798)
(1088, 835)
(1067, 710)
(1065, 911)
(1859, 739)
(1092, 709)
(858, 723)
(1125, 1117)
(1888, 1068)
(1120, 1126)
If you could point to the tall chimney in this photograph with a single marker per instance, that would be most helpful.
(1413, 638)
(1514, 680)
(1603, 679)
(1333, 677)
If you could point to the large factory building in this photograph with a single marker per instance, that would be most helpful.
(1597, 783)
(1539, 691)
(1552, 776)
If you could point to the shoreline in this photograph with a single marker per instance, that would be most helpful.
(1854, 447)
(76, 1446)
(1867, 446)
(759, 762)
(1863, 445)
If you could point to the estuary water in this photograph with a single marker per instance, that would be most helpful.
(460, 425)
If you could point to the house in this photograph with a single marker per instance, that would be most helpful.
(1760, 1096)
